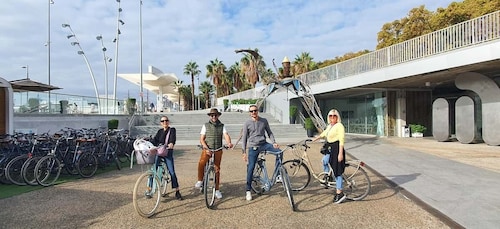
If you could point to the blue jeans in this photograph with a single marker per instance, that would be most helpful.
(338, 180)
(169, 160)
(326, 160)
(253, 154)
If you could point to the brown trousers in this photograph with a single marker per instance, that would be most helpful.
(204, 159)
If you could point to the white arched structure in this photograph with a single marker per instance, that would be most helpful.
(162, 84)
(6, 108)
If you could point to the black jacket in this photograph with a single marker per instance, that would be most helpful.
(159, 138)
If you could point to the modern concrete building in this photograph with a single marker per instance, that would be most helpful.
(447, 81)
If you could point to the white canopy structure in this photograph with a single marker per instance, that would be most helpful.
(162, 84)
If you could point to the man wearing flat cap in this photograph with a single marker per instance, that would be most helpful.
(211, 136)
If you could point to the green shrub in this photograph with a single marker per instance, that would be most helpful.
(417, 128)
(113, 124)
(309, 124)
(293, 111)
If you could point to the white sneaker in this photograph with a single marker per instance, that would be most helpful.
(278, 179)
(218, 194)
(198, 184)
(249, 195)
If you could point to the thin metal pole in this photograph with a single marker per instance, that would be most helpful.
(48, 48)
(140, 68)
(117, 39)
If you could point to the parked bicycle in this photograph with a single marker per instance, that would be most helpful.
(357, 184)
(152, 184)
(210, 178)
(260, 179)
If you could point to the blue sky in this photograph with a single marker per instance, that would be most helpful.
(177, 32)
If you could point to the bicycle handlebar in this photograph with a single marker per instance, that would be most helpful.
(214, 150)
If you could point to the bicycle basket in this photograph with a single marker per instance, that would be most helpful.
(144, 152)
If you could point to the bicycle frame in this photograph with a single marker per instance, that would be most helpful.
(210, 177)
(260, 176)
(261, 160)
(149, 187)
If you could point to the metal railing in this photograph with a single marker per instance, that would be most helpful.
(472, 32)
(38, 102)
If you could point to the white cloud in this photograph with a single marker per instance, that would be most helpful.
(176, 32)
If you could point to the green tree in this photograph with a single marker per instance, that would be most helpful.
(206, 88)
(185, 92)
(177, 86)
(191, 69)
(215, 70)
(251, 65)
(303, 63)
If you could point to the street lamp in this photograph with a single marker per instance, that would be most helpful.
(27, 71)
(140, 59)
(116, 41)
(48, 48)
(106, 59)
(80, 52)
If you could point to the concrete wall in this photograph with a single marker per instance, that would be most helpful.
(38, 124)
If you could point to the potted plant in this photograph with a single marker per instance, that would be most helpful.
(310, 127)
(293, 114)
(417, 130)
(113, 124)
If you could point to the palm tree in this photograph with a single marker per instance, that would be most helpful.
(206, 88)
(215, 70)
(185, 92)
(237, 76)
(178, 85)
(251, 65)
(192, 69)
(303, 63)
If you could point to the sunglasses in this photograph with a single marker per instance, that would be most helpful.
(212, 115)
(331, 115)
(252, 111)
(163, 120)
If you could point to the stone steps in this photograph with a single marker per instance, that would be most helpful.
(188, 125)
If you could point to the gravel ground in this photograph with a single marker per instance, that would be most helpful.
(106, 202)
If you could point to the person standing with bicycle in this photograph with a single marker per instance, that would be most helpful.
(160, 139)
(335, 135)
(211, 136)
(254, 138)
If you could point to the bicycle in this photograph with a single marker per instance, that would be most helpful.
(357, 184)
(260, 178)
(210, 178)
(151, 185)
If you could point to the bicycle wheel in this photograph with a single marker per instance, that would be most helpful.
(146, 195)
(112, 151)
(70, 163)
(28, 170)
(257, 178)
(209, 186)
(299, 174)
(47, 170)
(287, 187)
(357, 184)
(165, 179)
(13, 169)
(86, 165)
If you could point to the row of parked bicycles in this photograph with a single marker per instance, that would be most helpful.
(29, 159)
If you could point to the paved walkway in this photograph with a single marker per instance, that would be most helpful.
(461, 181)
